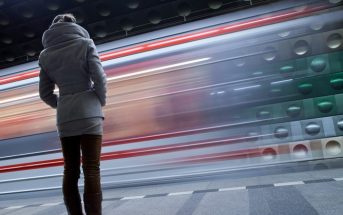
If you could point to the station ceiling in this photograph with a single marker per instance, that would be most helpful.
(22, 23)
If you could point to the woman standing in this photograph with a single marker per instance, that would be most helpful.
(70, 61)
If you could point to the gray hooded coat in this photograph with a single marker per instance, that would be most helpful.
(70, 61)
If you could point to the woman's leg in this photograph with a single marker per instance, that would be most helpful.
(91, 150)
(71, 155)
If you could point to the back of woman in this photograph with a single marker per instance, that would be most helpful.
(70, 61)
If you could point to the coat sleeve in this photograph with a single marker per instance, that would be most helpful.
(97, 73)
(46, 89)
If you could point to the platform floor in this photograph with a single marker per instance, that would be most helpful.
(301, 192)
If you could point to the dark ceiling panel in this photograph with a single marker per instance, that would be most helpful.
(22, 23)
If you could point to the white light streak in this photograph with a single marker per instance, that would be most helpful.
(15, 207)
(33, 95)
(246, 88)
(13, 99)
(23, 97)
(157, 69)
(51, 204)
(281, 82)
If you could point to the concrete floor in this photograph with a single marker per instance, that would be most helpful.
(308, 192)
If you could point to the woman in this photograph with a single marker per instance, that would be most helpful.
(70, 61)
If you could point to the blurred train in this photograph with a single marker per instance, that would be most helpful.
(256, 87)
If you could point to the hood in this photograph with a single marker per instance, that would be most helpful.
(62, 32)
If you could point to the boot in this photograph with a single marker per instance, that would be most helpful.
(93, 203)
(73, 205)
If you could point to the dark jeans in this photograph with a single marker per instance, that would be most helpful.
(90, 146)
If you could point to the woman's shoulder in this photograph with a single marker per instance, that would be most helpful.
(82, 42)
(41, 55)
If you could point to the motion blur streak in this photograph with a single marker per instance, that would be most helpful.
(132, 153)
(197, 35)
(32, 95)
(14, 78)
(270, 92)
(191, 37)
(17, 99)
(135, 74)
(120, 53)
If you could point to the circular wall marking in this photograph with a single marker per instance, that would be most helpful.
(269, 154)
(301, 47)
(317, 25)
(7, 40)
(263, 114)
(281, 132)
(25, 11)
(240, 63)
(333, 147)
(154, 17)
(215, 4)
(132, 4)
(100, 31)
(270, 54)
(336, 83)
(340, 124)
(52, 5)
(305, 88)
(334, 41)
(286, 69)
(126, 24)
(312, 128)
(318, 64)
(300, 151)
(28, 32)
(103, 9)
(184, 9)
(284, 34)
(9, 56)
(325, 106)
(293, 111)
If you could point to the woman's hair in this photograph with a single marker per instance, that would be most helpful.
(67, 17)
